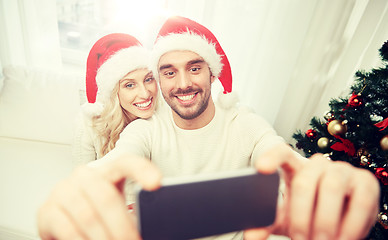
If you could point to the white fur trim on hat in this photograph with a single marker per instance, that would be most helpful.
(116, 67)
(229, 100)
(186, 41)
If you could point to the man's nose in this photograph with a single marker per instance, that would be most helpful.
(184, 81)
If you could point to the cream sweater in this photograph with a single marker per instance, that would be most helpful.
(232, 140)
(86, 143)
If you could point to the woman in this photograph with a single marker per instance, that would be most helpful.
(119, 88)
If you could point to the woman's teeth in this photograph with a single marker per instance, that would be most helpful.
(143, 105)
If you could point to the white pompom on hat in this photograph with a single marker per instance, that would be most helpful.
(110, 59)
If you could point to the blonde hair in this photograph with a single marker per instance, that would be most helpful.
(111, 122)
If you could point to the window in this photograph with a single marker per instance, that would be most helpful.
(77, 23)
(82, 22)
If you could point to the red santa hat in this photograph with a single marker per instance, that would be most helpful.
(179, 33)
(110, 59)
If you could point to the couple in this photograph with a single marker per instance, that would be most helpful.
(321, 200)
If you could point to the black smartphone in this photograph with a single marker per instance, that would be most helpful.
(199, 206)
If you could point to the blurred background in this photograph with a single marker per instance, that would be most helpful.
(288, 57)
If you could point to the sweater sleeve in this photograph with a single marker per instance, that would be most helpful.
(258, 135)
(83, 148)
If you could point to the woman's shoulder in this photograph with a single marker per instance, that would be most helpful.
(83, 119)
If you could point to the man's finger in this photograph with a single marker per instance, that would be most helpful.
(331, 200)
(110, 207)
(257, 234)
(362, 211)
(55, 224)
(139, 169)
(303, 196)
(279, 156)
(76, 205)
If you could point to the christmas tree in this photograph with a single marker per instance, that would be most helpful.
(355, 130)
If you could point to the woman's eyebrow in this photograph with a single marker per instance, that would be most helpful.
(148, 75)
(126, 80)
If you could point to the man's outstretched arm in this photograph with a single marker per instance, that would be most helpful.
(90, 203)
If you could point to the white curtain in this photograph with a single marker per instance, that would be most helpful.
(29, 33)
(288, 57)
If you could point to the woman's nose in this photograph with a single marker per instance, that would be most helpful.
(143, 92)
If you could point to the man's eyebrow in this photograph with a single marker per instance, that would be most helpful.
(165, 66)
(195, 61)
(191, 62)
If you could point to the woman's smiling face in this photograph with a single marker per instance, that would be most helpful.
(138, 92)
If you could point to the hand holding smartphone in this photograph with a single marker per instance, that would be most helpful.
(202, 206)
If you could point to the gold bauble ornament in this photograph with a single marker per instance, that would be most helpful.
(323, 143)
(337, 127)
(384, 143)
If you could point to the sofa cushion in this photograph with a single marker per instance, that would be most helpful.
(39, 104)
(28, 172)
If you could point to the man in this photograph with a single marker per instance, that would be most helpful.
(322, 199)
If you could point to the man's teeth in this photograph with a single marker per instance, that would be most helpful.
(186, 97)
(143, 105)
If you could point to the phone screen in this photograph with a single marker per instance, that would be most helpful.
(198, 208)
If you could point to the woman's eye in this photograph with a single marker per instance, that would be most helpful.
(149, 79)
(129, 85)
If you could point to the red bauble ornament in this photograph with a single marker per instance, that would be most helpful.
(312, 134)
(382, 174)
(355, 100)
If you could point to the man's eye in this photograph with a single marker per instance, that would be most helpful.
(194, 69)
(169, 74)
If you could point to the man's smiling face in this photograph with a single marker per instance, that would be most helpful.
(185, 82)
